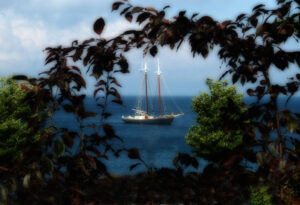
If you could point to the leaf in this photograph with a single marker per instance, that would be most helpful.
(233, 160)
(68, 138)
(46, 165)
(59, 147)
(133, 153)
(194, 15)
(134, 166)
(142, 17)
(3, 168)
(250, 92)
(124, 65)
(263, 82)
(240, 17)
(224, 74)
(116, 5)
(128, 16)
(92, 160)
(166, 7)
(153, 51)
(99, 25)
(260, 158)
(97, 90)
(253, 21)
(109, 131)
(114, 81)
(20, 77)
(235, 78)
(151, 9)
(84, 115)
(137, 9)
(292, 87)
(258, 7)
(125, 10)
(78, 191)
(26, 180)
(101, 82)
(106, 114)
(185, 160)
(68, 108)
(181, 13)
(118, 101)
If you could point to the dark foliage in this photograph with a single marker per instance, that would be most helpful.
(250, 46)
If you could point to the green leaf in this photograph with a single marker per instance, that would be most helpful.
(59, 147)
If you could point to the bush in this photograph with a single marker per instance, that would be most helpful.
(220, 116)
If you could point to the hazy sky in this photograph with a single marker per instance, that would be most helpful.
(28, 26)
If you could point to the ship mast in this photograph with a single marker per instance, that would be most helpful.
(158, 79)
(146, 83)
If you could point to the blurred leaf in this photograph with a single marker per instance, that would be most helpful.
(99, 25)
(26, 181)
(59, 147)
(128, 16)
(134, 166)
(116, 5)
(133, 153)
(20, 77)
(153, 51)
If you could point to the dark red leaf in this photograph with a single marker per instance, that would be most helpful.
(106, 115)
(153, 51)
(128, 16)
(151, 9)
(166, 7)
(68, 108)
(142, 17)
(92, 160)
(258, 7)
(99, 25)
(101, 82)
(235, 78)
(134, 166)
(240, 17)
(109, 131)
(118, 101)
(20, 77)
(137, 9)
(116, 5)
(263, 82)
(114, 81)
(133, 153)
(185, 160)
(250, 92)
(125, 10)
(3, 169)
(97, 90)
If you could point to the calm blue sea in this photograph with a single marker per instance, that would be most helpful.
(158, 144)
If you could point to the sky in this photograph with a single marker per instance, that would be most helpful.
(27, 27)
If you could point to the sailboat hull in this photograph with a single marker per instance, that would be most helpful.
(163, 120)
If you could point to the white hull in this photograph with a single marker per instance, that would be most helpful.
(160, 120)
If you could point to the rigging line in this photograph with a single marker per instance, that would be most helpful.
(172, 99)
(140, 98)
(141, 92)
(162, 99)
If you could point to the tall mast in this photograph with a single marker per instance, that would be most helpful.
(146, 82)
(158, 79)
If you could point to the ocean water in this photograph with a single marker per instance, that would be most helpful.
(158, 144)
